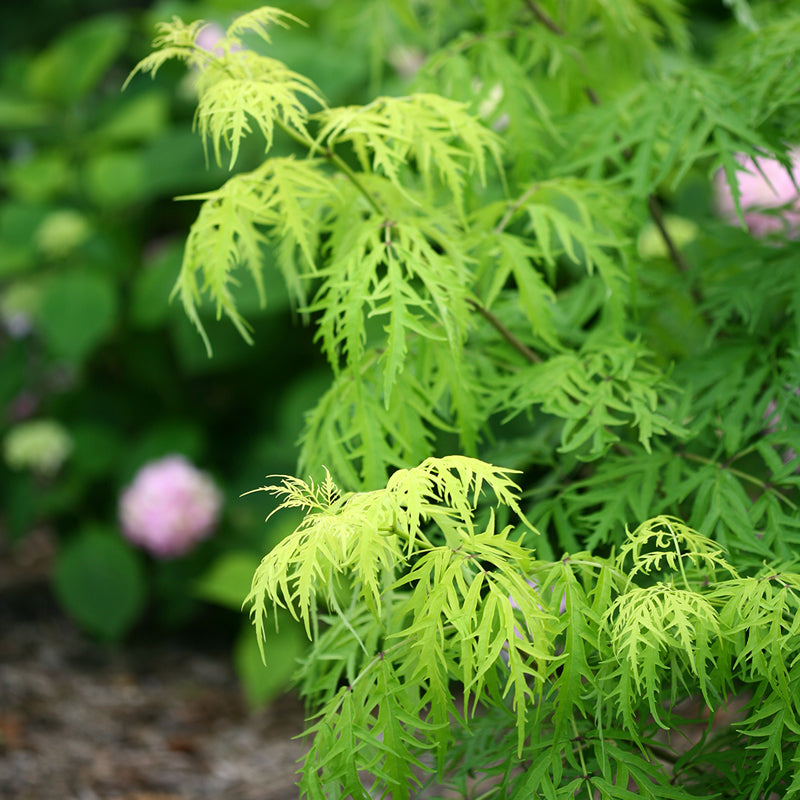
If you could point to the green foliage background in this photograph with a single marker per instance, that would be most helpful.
(91, 242)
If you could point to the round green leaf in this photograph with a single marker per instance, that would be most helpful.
(228, 580)
(74, 64)
(283, 647)
(150, 303)
(140, 118)
(96, 449)
(100, 582)
(161, 439)
(76, 312)
(116, 178)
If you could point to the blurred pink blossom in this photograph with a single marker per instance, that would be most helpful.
(758, 194)
(169, 507)
(209, 36)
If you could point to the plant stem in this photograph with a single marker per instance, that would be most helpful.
(654, 207)
(544, 18)
(519, 346)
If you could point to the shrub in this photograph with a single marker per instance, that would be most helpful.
(466, 249)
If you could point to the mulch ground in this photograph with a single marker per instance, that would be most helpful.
(81, 720)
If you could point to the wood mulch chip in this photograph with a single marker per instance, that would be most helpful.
(84, 721)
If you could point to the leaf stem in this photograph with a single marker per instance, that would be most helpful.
(680, 557)
(335, 159)
(514, 207)
(580, 755)
(764, 486)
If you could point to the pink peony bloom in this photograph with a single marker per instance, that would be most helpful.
(758, 194)
(169, 507)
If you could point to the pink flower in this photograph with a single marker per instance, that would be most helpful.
(169, 507)
(208, 38)
(211, 38)
(759, 194)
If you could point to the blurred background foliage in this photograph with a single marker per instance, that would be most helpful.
(90, 245)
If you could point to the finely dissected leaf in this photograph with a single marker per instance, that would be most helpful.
(513, 256)
(673, 546)
(258, 21)
(365, 533)
(761, 614)
(594, 391)
(768, 730)
(351, 535)
(462, 621)
(580, 220)
(436, 134)
(337, 743)
(175, 39)
(245, 87)
(410, 270)
(581, 625)
(661, 419)
(646, 625)
(377, 723)
(759, 61)
(506, 94)
(732, 293)
(274, 201)
(660, 131)
(236, 85)
(600, 506)
(396, 436)
(411, 273)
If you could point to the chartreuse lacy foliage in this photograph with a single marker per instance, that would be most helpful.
(569, 685)
(468, 255)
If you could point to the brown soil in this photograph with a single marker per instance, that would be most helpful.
(160, 721)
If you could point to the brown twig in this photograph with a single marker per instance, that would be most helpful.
(544, 18)
(656, 212)
(514, 207)
(519, 346)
